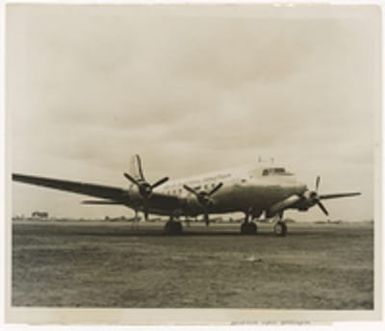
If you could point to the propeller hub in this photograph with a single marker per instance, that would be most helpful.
(312, 198)
(204, 199)
(145, 189)
(313, 195)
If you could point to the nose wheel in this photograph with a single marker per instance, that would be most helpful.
(280, 228)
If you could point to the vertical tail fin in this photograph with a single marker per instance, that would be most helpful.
(136, 170)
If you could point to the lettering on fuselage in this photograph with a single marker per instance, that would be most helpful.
(209, 181)
(199, 184)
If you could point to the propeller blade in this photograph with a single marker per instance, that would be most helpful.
(319, 203)
(317, 182)
(131, 179)
(191, 190)
(207, 219)
(216, 188)
(338, 195)
(159, 182)
(139, 165)
(145, 211)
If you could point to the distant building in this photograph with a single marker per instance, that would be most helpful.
(39, 214)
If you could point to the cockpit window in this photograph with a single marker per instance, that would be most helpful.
(274, 171)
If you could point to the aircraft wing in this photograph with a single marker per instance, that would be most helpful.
(161, 203)
(301, 201)
(284, 204)
(94, 190)
(338, 195)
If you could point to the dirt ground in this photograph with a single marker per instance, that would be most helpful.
(96, 264)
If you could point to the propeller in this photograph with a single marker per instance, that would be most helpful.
(144, 187)
(314, 199)
(307, 199)
(204, 198)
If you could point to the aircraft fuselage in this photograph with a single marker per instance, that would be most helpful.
(256, 188)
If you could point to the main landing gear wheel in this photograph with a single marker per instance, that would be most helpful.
(248, 228)
(280, 229)
(173, 228)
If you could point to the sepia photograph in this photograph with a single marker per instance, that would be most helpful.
(219, 159)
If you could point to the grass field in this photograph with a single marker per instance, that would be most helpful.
(95, 264)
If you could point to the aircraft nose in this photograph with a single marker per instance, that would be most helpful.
(300, 188)
(295, 186)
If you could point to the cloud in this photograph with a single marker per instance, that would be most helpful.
(190, 91)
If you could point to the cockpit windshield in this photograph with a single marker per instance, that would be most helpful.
(274, 171)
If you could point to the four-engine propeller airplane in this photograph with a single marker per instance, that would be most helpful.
(253, 190)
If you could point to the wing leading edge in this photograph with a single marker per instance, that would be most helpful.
(304, 202)
(159, 203)
(94, 190)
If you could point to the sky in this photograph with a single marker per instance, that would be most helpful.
(192, 89)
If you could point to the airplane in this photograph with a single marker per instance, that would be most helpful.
(253, 190)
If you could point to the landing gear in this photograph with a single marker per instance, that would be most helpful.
(173, 227)
(248, 227)
(280, 228)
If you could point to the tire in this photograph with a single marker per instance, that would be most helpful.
(248, 228)
(244, 228)
(253, 228)
(280, 229)
(173, 228)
